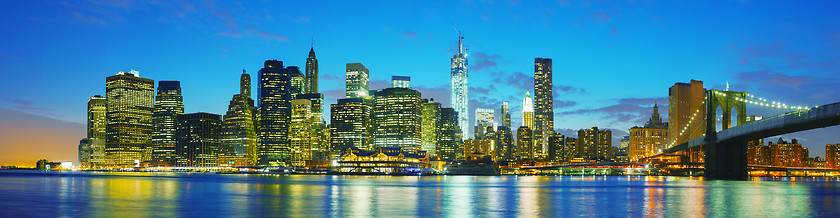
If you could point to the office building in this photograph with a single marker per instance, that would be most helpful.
(528, 111)
(349, 120)
(97, 107)
(787, 154)
(504, 113)
(239, 131)
(524, 143)
(684, 101)
(483, 119)
(594, 144)
(460, 89)
(401, 82)
(396, 118)
(312, 72)
(130, 104)
(449, 138)
(275, 111)
(297, 80)
(358, 79)
(430, 123)
(197, 139)
(556, 148)
(168, 104)
(504, 143)
(300, 131)
(832, 156)
(648, 140)
(480, 148)
(543, 105)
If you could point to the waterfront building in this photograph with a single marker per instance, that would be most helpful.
(239, 132)
(504, 143)
(320, 144)
(312, 72)
(300, 130)
(197, 139)
(449, 138)
(84, 152)
(460, 88)
(650, 139)
(684, 101)
(128, 132)
(524, 143)
(401, 82)
(480, 147)
(594, 144)
(504, 112)
(168, 104)
(349, 120)
(275, 111)
(758, 153)
(832, 156)
(543, 105)
(430, 126)
(358, 79)
(625, 142)
(396, 118)
(97, 107)
(483, 119)
(556, 148)
(382, 160)
(297, 81)
(571, 149)
(787, 154)
(528, 111)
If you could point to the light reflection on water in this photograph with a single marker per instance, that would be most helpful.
(172, 195)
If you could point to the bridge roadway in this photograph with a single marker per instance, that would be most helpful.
(727, 156)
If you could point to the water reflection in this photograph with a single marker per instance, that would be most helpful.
(172, 195)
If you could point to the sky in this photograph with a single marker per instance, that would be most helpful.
(611, 59)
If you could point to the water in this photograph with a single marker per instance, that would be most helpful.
(196, 195)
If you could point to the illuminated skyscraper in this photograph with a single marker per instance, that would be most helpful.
(543, 105)
(594, 144)
(96, 122)
(349, 120)
(396, 118)
(460, 89)
(320, 145)
(650, 139)
(312, 72)
(483, 119)
(524, 143)
(504, 143)
(505, 115)
(300, 130)
(832, 156)
(84, 152)
(298, 81)
(130, 102)
(357, 81)
(275, 111)
(528, 111)
(557, 148)
(239, 136)
(401, 82)
(449, 137)
(685, 100)
(430, 122)
(168, 104)
(787, 154)
(197, 139)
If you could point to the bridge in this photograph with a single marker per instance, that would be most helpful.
(726, 150)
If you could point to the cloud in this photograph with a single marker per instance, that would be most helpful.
(771, 79)
(601, 16)
(26, 138)
(409, 34)
(485, 61)
(628, 110)
(267, 35)
(330, 77)
(28, 106)
(518, 80)
(563, 104)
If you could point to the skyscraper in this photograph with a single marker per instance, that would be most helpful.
(460, 89)
(557, 148)
(197, 139)
(504, 143)
(685, 100)
(449, 138)
(298, 81)
(396, 118)
(84, 152)
(312, 72)
(349, 120)
(129, 127)
(96, 122)
(358, 78)
(594, 144)
(319, 143)
(483, 119)
(543, 105)
(650, 139)
(238, 135)
(505, 115)
(528, 111)
(524, 143)
(168, 104)
(275, 111)
(430, 122)
(401, 82)
(832, 156)
(300, 130)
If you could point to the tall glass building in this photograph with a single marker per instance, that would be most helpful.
(543, 105)
(275, 111)
(349, 121)
(312, 72)
(528, 111)
(128, 132)
(238, 135)
(397, 118)
(449, 137)
(358, 79)
(504, 111)
(197, 139)
(168, 104)
(96, 122)
(298, 81)
(429, 127)
(483, 119)
(460, 89)
(300, 130)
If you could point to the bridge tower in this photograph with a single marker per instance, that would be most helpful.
(725, 160)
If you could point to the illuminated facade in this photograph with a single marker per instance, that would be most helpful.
(650, 139)
(758, 153)
(312, 72)
(401, 82)
(168, 104)
(396, 118)
(197, 139)
(480, 147)
(504, 143)
(84, 152)
(384, 160)
(787, 154)
(239, 133)
(128, 132)
(358, 78)
(571, 148)
(349, 122)
(319, 142)
(685, 100)
(430, 127)
(449, 137)
(504, 112)
(556, 148)
(483, 119)
(96, 125)
(594, 144)
(300, 131)
(524, 143)
(297, 80)
(275, 111)
(832, 156)
(528, 111)
(543, 105)
(460, 89)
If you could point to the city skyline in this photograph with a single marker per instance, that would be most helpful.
(617, 111)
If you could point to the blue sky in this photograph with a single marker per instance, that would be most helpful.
(612, 59)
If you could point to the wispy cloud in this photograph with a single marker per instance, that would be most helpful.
(409, 34)
(267, 35)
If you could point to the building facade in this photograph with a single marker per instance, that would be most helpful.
(312, 72)
(239, 132)
(396, 118)
(504, 113)
(832, 156)
(650, 139)
(459, 87)
(401, 82)
(528, 111)
(543, 105)
(430, 123)
(358, 79)
(524, 143)
(168, 104)
(349, 122)
(449, 137)
(483, 120)
(275, 112)
(130, 104)
(300, 132)
(197, 139)
(594, 144)
(684, 101)
(97, 107)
